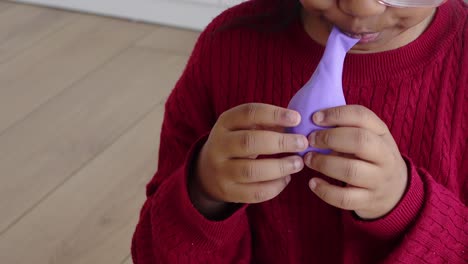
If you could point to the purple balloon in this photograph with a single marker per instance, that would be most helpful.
(324, 89)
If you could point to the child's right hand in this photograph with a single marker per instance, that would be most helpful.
(227, 170)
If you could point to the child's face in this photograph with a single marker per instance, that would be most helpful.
(380, 27)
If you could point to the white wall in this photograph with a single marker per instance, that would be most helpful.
(193, 14)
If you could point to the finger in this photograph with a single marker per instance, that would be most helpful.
(351, 115)
(244, 143)
(355, 172)
(267, 128)
(252, 115)
(344, 155)
(351, 140)
(262, 170)
(347, 198)
(260, 191)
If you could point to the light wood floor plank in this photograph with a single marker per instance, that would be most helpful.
(4, 5)
(21, 26)
(90, 219)
(45, 149)
(55, 63)
(80, 113)
(128, 260)
(170, 40)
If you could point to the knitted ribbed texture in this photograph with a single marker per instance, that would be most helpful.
(420, 91)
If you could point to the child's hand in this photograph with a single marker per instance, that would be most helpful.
(227, 170)
(365, 157)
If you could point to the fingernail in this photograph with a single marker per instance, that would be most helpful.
(308, 158)
(318, 117)
(312, 184)
(312, 137)
(300, 143)
(296, 164)
(287, 179)
(292, 117)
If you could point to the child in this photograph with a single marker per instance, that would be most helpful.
(230, 187)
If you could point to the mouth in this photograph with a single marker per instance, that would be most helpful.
(365, 37)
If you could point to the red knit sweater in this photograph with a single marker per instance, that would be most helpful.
(420, 91)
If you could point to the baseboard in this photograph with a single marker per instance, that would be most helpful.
(166, 12)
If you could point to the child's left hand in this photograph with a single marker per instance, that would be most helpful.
(365, 156)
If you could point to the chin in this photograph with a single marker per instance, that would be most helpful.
(369, 48)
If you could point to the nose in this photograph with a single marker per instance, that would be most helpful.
(361, 8)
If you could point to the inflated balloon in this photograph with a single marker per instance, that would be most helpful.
(324, 89)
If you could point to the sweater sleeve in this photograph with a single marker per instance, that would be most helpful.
(170, 229)
(429, 225)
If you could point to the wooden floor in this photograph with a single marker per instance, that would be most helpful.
(81, 103)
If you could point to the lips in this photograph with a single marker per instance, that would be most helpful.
(365, 37)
